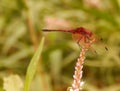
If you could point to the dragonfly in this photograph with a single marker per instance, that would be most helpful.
(82, 36)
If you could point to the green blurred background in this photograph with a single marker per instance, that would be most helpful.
(21, 23)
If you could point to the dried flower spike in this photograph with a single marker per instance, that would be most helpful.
(77, 83)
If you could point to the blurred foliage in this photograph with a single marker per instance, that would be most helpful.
(21, 23)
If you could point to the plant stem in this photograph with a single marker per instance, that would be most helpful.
(30, 26)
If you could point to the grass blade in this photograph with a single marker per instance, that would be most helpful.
(33, 66)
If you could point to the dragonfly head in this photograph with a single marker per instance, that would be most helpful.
(84, 37)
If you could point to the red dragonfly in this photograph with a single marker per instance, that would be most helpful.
(81, 35)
